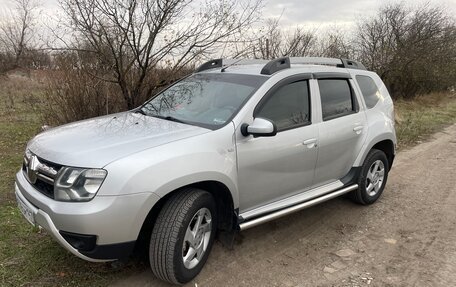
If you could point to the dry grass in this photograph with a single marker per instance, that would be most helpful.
(29, 257)
(417, 119)
(20, 105)
(80, 96)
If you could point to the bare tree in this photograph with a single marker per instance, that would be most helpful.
(130, 40)
(335, 43)
(276, 42)
(411, 49)
(16, 30)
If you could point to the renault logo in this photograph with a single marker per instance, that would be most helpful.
(32, 169)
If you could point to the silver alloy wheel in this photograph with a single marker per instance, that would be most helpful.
(375, 177)
(197, 238)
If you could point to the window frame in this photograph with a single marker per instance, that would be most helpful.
(286, 81)
(354, 100)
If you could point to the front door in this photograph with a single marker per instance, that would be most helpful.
(271, 168)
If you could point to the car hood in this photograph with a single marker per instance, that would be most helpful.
(96, 142)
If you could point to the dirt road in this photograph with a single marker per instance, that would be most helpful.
(408, 238)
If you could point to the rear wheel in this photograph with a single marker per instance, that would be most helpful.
(372, 178)
(183, 235)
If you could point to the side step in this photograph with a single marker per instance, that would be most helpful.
(294, 208)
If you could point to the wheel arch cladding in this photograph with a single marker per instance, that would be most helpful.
(386, 146)
(224, 202)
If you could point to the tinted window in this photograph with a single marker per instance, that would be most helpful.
(369, 90)
(208, 100)
(289, 106)
(336, 98)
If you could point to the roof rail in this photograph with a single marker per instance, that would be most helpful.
(350, 64)
(316, 61)
(276, 65)
(220, 63)
(341, 63)
(212, 64)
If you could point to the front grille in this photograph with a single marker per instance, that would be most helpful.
(45, 188)
(40, 173)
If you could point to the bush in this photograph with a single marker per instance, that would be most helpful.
(412, 49)
(73, 92)
(73, 95)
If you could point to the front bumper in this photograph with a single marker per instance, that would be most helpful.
(115, 220)
(42, 219)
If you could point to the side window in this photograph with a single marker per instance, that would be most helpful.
(336, 98)
(288, 107)
(369, 89)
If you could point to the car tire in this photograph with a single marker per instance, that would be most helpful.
(372, 178)
(183, 235)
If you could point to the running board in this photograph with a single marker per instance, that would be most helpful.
(294, 208)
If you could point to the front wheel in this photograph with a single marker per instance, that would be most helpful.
(183, 235)
(372, 178)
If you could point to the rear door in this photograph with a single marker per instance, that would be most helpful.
(343, 129)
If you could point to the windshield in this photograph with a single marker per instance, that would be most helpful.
(208, 100)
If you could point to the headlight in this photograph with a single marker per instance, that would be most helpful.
(78, 184)
(28, 154)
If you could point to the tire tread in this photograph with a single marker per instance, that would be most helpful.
(356, 195)
(165, 233)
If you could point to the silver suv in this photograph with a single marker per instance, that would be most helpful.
(231, 146)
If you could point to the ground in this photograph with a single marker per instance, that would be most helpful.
(407, 238)
(408, 235)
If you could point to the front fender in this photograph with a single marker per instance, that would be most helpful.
(160, 170)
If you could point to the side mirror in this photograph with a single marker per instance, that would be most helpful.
(259, 128)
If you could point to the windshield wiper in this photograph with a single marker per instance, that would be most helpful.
(140, 111)
(170, 118)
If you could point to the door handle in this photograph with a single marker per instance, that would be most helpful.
(358, 129)
(310, 143)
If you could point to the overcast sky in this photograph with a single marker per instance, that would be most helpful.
(316, 13)
(322, 13)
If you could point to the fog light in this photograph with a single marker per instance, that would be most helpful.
(81, 242)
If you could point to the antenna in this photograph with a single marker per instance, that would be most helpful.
(235, 62)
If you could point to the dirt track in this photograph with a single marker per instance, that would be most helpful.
(408, 238)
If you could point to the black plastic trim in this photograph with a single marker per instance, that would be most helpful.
(86, 245)
(350, 64)
(111, 251)
(391, 163)
(354, 97)
(352, 176)
(331, 75)
(212, 64)
(238, 219)
(81, 242)
(276, 65)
